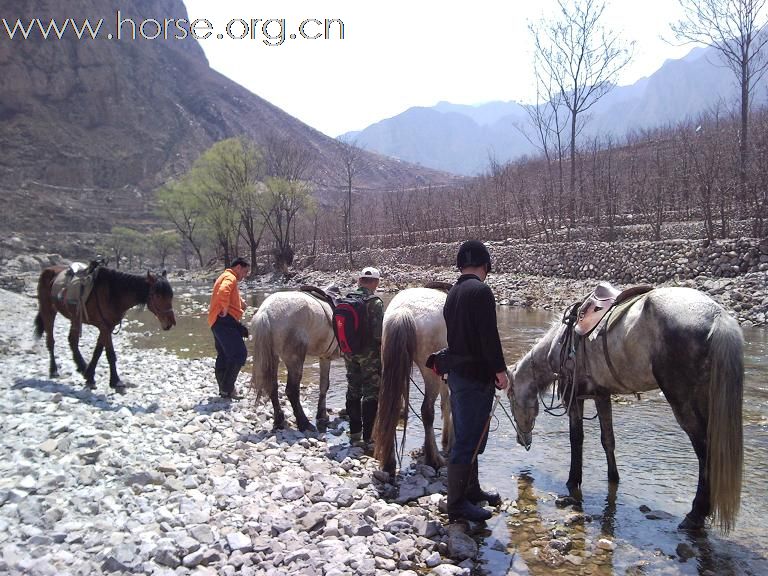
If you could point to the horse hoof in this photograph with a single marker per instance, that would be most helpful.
(690, 524)
(322, 426)
(53, 375)
(91, 385)
(307, 427)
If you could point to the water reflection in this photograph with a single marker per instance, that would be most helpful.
(656, 461)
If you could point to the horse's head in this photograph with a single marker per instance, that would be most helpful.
(527, 378)
(523, 397)
(160, 300)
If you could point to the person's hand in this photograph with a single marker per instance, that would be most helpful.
(222, 314)
(502, 381)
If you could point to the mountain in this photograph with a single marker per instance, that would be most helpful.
(89, 127)
(460, 138)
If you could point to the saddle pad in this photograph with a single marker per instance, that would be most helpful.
(615, 314)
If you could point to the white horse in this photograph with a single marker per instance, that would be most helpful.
(676, 339)
(414, 327)
(290, 326)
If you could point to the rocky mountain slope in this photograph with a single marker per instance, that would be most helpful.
(89, 127)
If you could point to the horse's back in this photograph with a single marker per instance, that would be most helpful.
(425, 306)
(297, 319)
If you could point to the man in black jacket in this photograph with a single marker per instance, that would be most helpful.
(470, 316)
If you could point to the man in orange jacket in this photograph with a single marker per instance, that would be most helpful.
(224, 314)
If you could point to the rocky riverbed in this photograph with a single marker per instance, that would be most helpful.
(166, 479)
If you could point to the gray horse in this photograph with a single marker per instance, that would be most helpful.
(676, 339)
(413, 328)
(291, 326)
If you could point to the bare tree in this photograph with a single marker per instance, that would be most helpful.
(735, 28)
(350, 160)
(287, 192)
(579, 60)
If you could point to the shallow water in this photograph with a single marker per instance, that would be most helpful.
(656, 461)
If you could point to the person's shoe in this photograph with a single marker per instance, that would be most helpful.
(475, 494)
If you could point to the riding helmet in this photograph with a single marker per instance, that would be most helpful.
(473, 253)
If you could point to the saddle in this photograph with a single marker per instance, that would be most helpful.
(603, 298)
(330, 295)
(73, 286)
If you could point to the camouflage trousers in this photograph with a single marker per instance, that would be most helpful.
(363, 376)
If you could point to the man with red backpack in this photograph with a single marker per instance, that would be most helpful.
(361, 344)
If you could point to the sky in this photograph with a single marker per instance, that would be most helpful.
(397, 54)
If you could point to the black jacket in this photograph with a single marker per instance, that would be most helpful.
(470, 316)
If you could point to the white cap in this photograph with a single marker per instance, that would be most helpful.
(370, 272)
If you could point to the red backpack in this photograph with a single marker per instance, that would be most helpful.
(350, 322)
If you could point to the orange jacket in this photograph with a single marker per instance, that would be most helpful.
(226, 298)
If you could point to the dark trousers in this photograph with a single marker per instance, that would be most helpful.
(471, 403)
(231, 352)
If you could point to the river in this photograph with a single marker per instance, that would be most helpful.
(656, 462)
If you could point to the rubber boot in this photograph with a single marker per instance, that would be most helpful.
(475, 494)
(370, 408)
(228, 383)
(221, 372)
(355, 417)
(459, 508)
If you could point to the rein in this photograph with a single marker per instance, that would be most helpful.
(563, 382)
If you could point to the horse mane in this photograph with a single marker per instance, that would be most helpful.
(118, 282)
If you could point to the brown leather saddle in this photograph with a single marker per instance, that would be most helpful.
(602, 299)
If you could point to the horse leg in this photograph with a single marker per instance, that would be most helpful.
(696, 428)
(90, 371)
(292, 390)
(114, 379)
(53, 369)
(277, 410)
(432, 456)
(576, 433)
(325, 380)
(75, 328)
(605, 416)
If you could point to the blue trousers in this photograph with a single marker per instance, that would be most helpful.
(230, 348)
(471, 403)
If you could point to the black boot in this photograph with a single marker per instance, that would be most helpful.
(355, 417)
(228, 383)
(475, 494)
(221, 372)
(459, 508)
(370, 407)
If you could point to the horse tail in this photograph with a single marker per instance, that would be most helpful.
(39, 327)
(264, 374)
(724, 430)
(397, 355)
(44, 287)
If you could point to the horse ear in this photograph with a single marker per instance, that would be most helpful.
(150, 278)
(164, 274)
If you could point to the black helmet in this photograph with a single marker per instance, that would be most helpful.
(473, 253)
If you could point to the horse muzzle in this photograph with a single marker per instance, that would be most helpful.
(525, 439)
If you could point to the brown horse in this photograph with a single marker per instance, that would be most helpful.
(112, 295)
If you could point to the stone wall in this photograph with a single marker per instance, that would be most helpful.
(624, 262)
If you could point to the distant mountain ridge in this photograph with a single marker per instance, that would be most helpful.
(461, 138)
